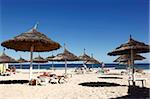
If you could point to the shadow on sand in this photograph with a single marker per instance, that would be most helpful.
(136, 92)
(100, 84)
(110, 77)
(14, 81)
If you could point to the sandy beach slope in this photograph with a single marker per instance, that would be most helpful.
(73, 89)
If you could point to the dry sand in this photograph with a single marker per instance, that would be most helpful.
(69, 90)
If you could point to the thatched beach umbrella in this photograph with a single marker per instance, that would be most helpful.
(87, 59)
(93, 61)
(127, 57)
(64, 57)
(131, 47)
(39, 60)
(50, 58)
(21, 60)
(6, 59)
(84, 57)
(32, 41)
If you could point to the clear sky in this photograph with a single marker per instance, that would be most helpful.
(99, 26)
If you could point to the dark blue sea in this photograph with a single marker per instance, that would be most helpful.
(61, 66)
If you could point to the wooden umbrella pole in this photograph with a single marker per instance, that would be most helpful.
(3, 68)
(20, 65)
(31, 60)
(128, 65)
(92, 63)
(132, 64)
(83, 63)
(65, 66)
(52, 65)
(38, 67)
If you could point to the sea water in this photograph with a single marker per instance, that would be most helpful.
(61, 66)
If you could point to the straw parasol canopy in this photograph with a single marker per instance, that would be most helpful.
(125, 58)
(131, 47)
(136, 46)
(50, 58)
(93, 61)
(88, 59)
(21, 60)
(65, 56)
(25, 41)
(39, 60)
(6, 59)
(32, 41)
(85, 57)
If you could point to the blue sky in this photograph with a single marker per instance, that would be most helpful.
(99, 26)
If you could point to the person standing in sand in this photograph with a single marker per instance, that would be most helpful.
(103, 65)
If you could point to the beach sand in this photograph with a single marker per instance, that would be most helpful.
(73, 89)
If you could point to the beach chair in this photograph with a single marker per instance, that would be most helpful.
(139, 79)
(53, 79)
(140, 71)
(82, 70)
(43, 80)
(45, 74)
(58, 79)
(124, 72)
(68, 75)
(33, 82)
(5, 74)
(142, 80)
(62, 79)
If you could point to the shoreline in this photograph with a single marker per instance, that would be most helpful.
(72, 69)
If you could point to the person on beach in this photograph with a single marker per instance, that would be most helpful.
(103, 65)
(102, 69)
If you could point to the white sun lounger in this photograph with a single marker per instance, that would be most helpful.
(142, 80)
